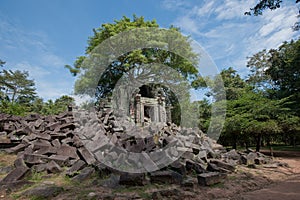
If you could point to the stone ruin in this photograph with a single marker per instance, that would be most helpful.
(146, 105)
(68, 144)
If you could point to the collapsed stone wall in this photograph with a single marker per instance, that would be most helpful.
(84, 142)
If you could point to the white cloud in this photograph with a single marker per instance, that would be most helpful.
(187, 25)
(175, 4)
(231, 9)
(229, 36)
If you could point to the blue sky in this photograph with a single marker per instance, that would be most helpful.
(41, 36)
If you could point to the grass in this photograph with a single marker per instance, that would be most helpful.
(276, 147)
(218, 185)
(283, 148)
(7, 159)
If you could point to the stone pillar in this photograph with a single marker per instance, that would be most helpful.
(169, 113)
(138, 109)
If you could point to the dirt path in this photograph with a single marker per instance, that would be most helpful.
(286, 189)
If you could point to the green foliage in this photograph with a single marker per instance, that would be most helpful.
(13, 108)
(16, 86)
(134, 59)
(262, 5)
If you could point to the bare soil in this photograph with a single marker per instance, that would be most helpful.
(263, 182)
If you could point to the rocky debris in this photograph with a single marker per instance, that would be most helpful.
(211, 178)
(15, 175)
(133, 179)
(43, 192)
(166, 176)
(84, 174)
(83, 141)
(167, 193)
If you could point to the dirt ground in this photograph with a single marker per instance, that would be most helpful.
(263, 182)
(286, 188)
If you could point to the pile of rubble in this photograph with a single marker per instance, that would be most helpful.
(108, 142)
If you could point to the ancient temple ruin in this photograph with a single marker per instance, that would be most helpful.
(145, 105)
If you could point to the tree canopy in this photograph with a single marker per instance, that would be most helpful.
(272, 5)
(134, 59)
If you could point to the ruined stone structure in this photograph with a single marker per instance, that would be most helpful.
(149, 109)
(144, 106)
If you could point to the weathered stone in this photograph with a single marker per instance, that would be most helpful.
(19, 162)
(53, 126)
(15, 185)
(56, 143)
(60, 160)
(188, 182)
(43, 136)
(84, 174)
(86, 155)
(6, 169)
(37, 144)
(40, 167)
(133, 179)
(178, 167)
(166, 176)
(67, 141)
(261, 161)
(78, 165)
(223, 165)
(46, 150)
(167, 193)
(197, 167)
(66, 150)
(44, 191)
(211, 178)
(18, 148)
(53, 167)
(77, 142)
(232, 154)
(248, 159)
(33, 159)
(16, 174)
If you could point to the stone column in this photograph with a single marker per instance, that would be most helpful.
(138, 109)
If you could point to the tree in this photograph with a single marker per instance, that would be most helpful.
(129, 60)
(136, 65)
(272, 5)
(277, 72)
(16, 86)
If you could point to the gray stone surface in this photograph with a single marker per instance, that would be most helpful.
(78, 165)
(16, 174)
(211, 178)
(44, 191)
(84, 174)
(133, 179)
(167, 176)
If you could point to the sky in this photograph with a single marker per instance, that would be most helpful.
(42, 36)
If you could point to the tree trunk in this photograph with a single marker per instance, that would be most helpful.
(294, 140)
(234, 141)
(258, 142)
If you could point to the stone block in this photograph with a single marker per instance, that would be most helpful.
(56, 143)
(78, 165)
(16, 174)
(166, 176)
(211, 178)
(33, 159)
(66, 150)
(84, 174)
(18, 148)
(60, 160)
(53, 167)
(223, 165)
(86, 155)
(133, 179)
